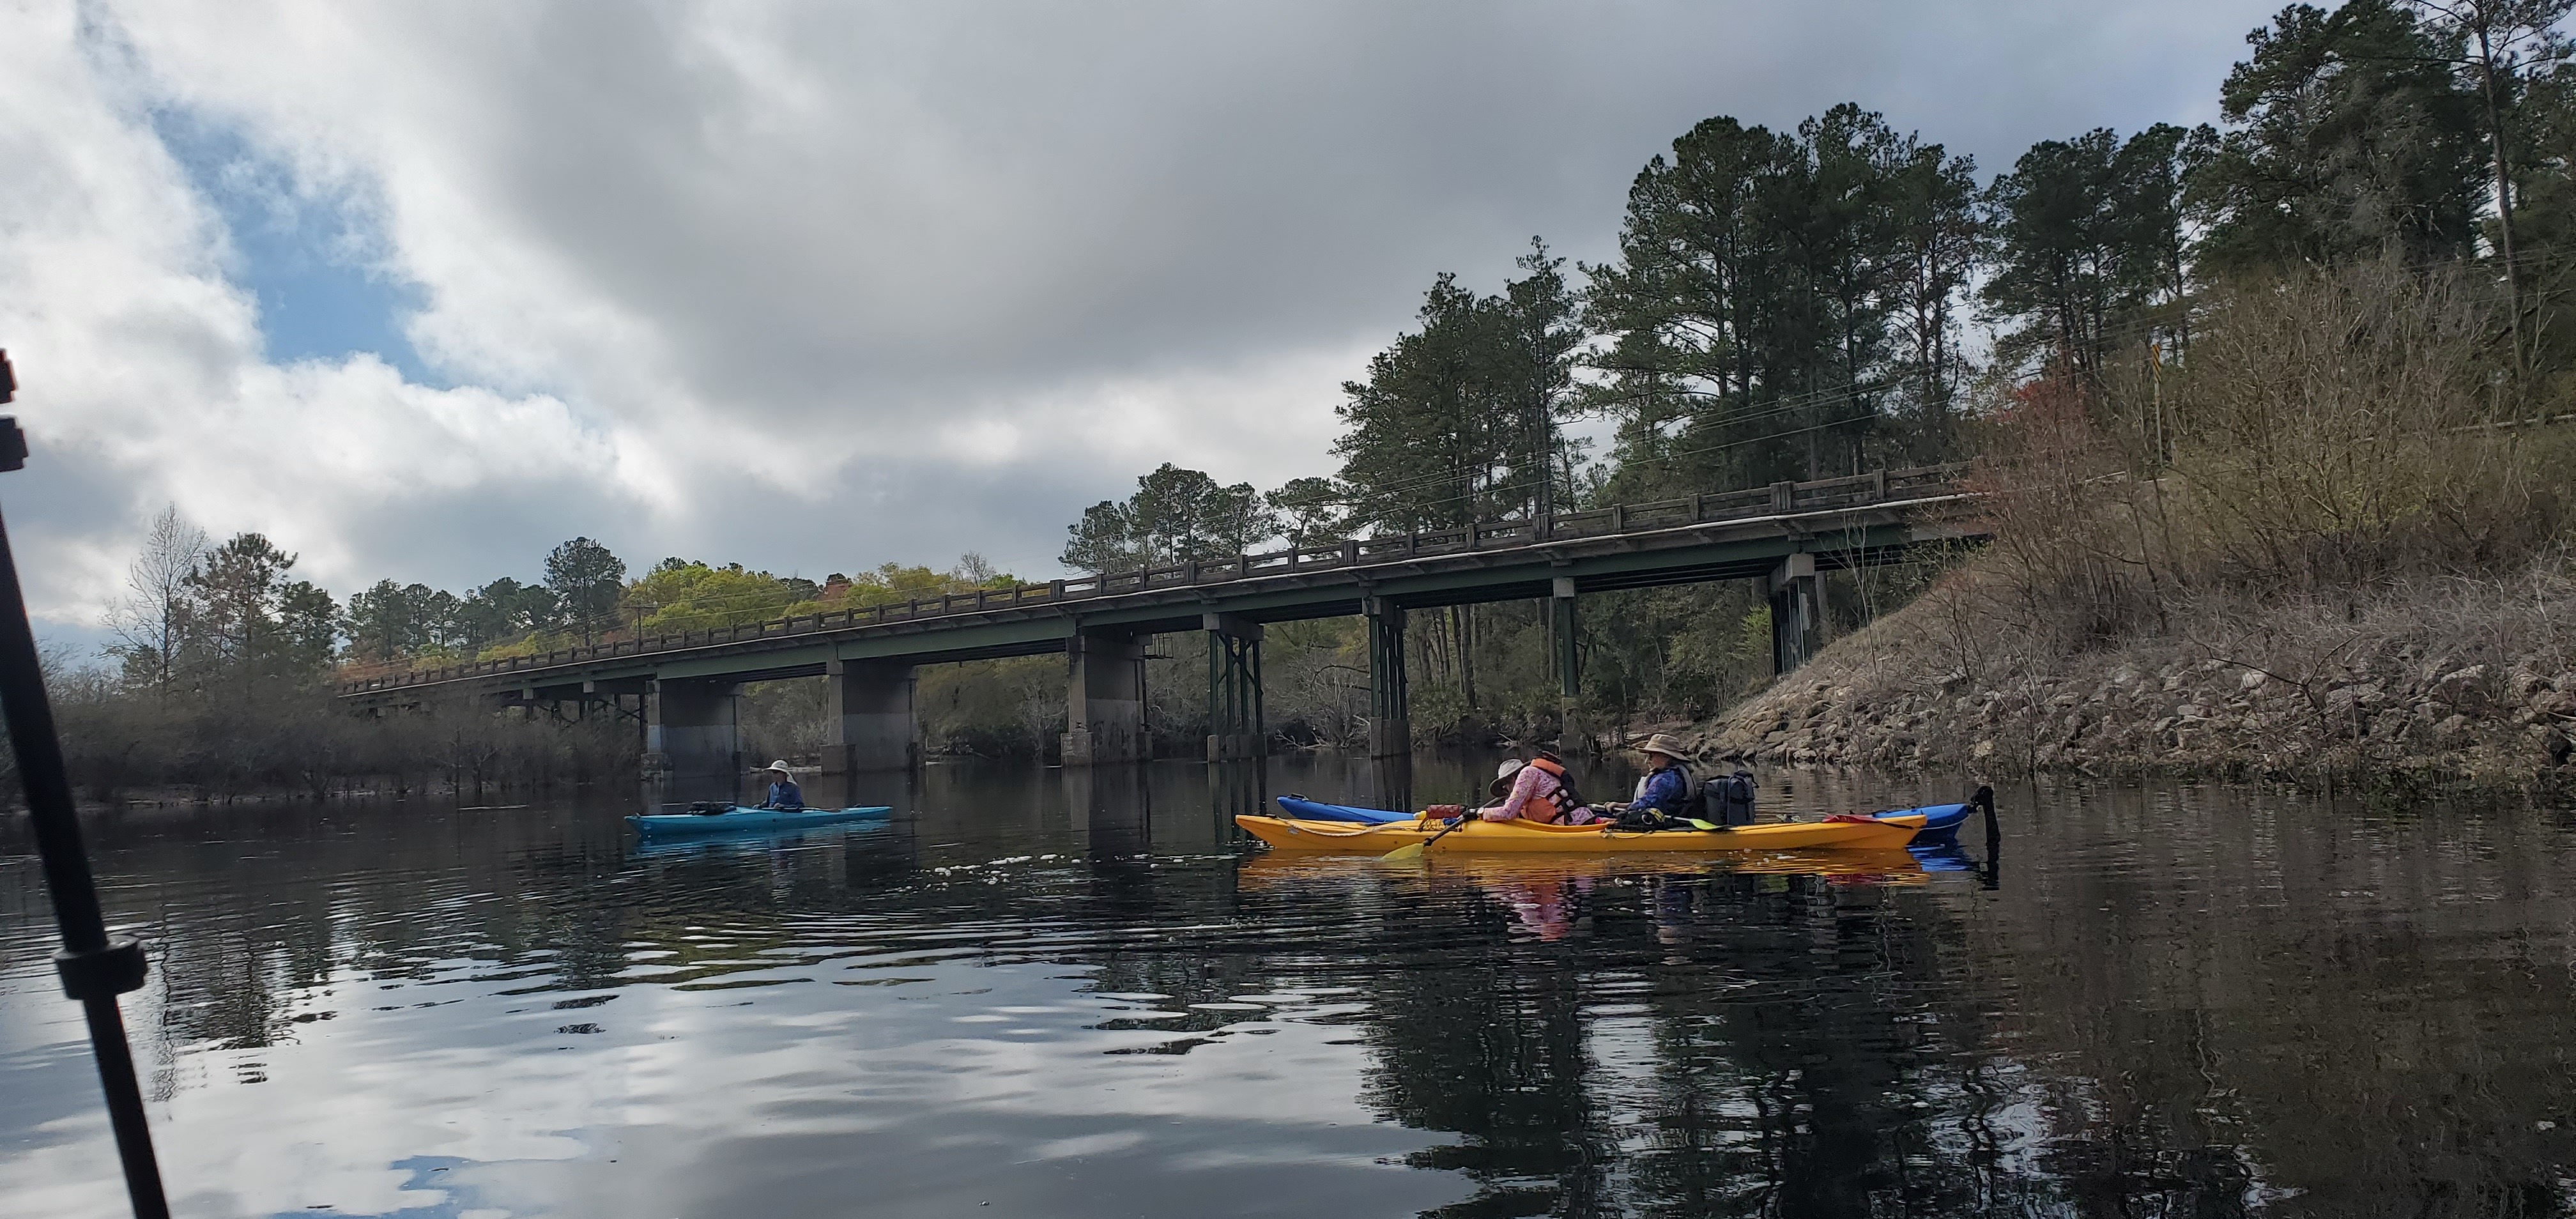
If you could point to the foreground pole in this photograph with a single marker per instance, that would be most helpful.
(94, 970)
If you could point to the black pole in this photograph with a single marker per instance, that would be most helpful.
(94, 969)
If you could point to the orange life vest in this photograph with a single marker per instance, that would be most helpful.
(1563, 800)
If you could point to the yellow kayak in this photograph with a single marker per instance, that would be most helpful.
(1521, 837)
(1873, 865)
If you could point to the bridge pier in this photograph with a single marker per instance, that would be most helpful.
(1104, 698)
(1566, 642)
(1235, 729)
(1798, 625)
(1390, 706)
(869, 715)
(691, 739)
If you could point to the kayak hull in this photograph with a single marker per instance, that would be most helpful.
(1870, 865)
(1885, 831)
(742, 818)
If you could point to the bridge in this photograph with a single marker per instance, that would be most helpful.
(1787, 535)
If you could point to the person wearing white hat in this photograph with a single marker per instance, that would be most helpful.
(783, 792)
(1537, 790)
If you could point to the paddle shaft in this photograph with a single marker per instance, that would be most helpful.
(94, 968)
(1463, 819)
(1466, 813)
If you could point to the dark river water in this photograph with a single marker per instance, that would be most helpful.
(1046, 993)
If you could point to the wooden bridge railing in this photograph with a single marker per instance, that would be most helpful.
(1778, 499)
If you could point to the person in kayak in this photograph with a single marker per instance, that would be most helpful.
(1536, 790)
(783, 792)
(1667, 786)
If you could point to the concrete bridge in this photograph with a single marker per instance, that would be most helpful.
(680, 686)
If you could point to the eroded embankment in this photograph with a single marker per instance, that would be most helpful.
(2455, 679)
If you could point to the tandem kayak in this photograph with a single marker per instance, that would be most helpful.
(742, 818)
(1893, 829)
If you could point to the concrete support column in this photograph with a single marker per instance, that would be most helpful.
(1566, 644)
(870, 725)
(1390, 714)
(690, 736)
(1797, 612)
(1104, 699)
(1235, 728)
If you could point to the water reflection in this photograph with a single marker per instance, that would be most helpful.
(1069, 993)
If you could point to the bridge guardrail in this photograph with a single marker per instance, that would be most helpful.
(1778, 499)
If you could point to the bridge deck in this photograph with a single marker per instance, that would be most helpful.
(1844, 522)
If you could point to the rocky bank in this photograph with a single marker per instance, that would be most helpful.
(2456, 680)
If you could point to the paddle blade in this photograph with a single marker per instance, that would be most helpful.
(1408, 852)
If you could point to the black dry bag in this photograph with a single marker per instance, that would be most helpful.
(1730, 800)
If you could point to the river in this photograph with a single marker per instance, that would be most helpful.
(1039, 992)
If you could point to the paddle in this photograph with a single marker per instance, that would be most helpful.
(1413, 850)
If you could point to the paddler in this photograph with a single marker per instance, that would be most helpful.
(783, 792)
(1536, 790)
(1667, 785)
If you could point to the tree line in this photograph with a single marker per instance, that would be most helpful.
(198, 615)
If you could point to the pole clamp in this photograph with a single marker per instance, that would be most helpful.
(103, 973)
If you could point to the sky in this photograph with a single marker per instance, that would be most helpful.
(420, 290)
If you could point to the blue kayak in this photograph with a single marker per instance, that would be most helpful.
(742, 818)
(1303, 809)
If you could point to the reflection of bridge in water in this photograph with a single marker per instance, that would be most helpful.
(680, 686)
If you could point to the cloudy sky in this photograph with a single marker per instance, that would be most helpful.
(420, 289)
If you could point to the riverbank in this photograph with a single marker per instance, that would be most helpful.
(2449, 680)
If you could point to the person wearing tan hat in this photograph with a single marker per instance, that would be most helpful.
(783, 792)
(1537, 790)
(1667, 785)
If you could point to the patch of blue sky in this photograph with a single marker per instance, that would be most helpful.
(312, 259)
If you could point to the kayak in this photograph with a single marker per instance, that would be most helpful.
(1299, 808)
(1894, 829)
(1870, 865)
(742, 818)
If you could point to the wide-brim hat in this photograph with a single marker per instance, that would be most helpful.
(1664, 743)
(780, 766)
(1503, 777)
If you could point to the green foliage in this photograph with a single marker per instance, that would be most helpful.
(586, 581)
(1778, 299)
(500, 610)
(1462, 420)
(2348, 136)
(1176, 515)
(1310, 509)
(684, 596)
(2090, 244)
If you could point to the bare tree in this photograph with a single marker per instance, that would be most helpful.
(151, 621)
